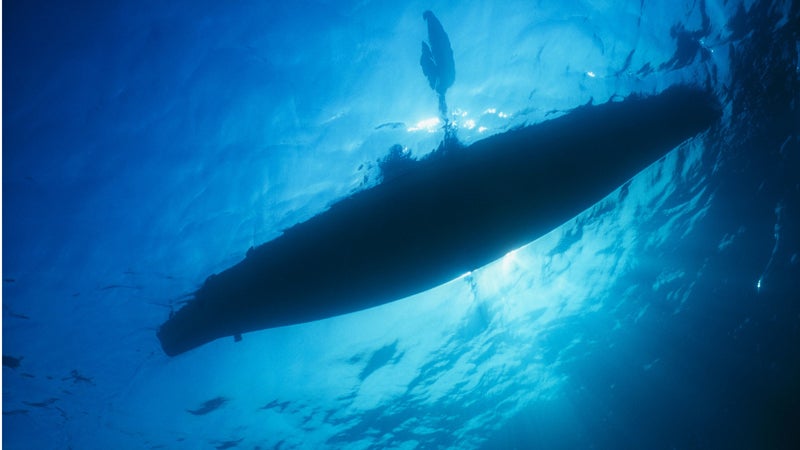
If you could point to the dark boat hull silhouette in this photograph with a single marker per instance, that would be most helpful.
(449, 214)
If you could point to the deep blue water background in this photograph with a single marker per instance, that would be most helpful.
(148, 145)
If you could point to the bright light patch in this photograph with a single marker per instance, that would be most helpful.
(460, 113)
(430, 125)
(591, 74)
(503, 115)
(482, 129)
(509, 261)
(490, 111)
(469, 124)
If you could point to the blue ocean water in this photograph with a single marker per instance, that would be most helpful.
(147, 145)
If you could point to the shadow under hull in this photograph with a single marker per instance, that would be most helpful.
(449, 214)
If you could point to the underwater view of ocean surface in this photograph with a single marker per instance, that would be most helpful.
(147, 145)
